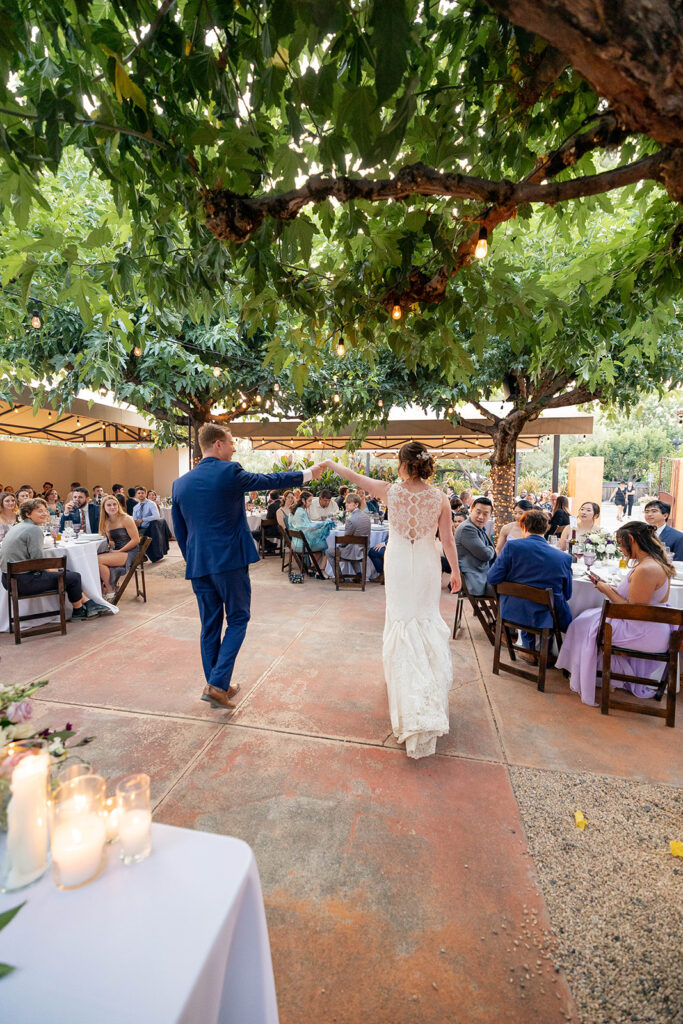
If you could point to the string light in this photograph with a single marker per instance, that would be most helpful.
(380, 403)
(396, 313)
(49, 414)
(36, 321)
(78, 421)
(450, 410)
(216, 371)
(137, 351)
(340, 348)
(276, 386)
(482, 246)
(258, 399)
(336, 398)
(244, 405)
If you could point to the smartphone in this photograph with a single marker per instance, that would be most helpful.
(592, 576)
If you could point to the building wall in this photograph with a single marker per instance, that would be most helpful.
(585, 480)
(28, 462)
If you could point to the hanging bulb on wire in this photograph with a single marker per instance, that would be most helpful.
(36, 321)
(244, 405)
(258, 399)
(137, 351)
(380, 403)
(216, 371)
(340, 348)
(78, 421)
(336, 398)
(396, 313)
(482, 246)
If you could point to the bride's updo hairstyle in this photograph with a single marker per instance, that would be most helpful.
(417, 460)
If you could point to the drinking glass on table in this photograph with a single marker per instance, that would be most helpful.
(589, 557)
(77, 529)
(579, 550)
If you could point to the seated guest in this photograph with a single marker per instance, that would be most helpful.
(272, 533)
(53, 503)
(153, 496)
(8, 513)
(124, 541)
(72, 488)
(323, 507)
(315, 533)
(533, 562)
(341, 497)
(657, 514)
(523, 493)
(25, 543)
(131, 501)
(455, 503)
(586, 522)
(286, 509)
(559, 517)
(367, 502)
(358, 524)
(466, 499)
(145, 511)
(513, 531)
(376, 556)
(647, 583)
(97, 494)
(459, 516)
(79, 512)
(475, 547)
(532, 498)
(25, 493)
(118, 491)
(47, 487)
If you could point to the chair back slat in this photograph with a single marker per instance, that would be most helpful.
(645, 613)
(35, 565)
(535, 594)
(348, 538)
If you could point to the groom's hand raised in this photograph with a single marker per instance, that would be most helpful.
(317, 471)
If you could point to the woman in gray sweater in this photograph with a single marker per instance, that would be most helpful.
(24, 542)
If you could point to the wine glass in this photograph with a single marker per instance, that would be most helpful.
(579, 550)
(589, 557)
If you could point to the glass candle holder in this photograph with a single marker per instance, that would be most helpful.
(135, 818)
(79, 831)
(69, 769)
(24, 846)
(111, 818)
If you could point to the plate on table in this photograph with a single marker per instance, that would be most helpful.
(83, 538)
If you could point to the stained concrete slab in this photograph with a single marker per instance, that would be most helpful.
(395, 891)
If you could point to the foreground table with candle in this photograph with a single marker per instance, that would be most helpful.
(158, 942)
(25, 857)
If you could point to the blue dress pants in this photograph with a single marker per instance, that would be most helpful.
(220, 592)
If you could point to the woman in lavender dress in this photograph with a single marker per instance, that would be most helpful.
(647, 583)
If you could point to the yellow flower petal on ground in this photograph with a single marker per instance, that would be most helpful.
(580, 820)
(676, 847)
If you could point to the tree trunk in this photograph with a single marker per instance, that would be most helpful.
(503, 465)
(193, 441)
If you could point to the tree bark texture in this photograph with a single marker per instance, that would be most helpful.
(631, 52)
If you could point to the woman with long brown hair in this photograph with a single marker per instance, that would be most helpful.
(647, 583)
(415, 652)
(121, 531)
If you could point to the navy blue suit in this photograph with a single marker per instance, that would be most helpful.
(74, 517)
(533, 562)
(673, 539)
(210, 525)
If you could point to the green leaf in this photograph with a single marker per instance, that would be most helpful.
(5, 969)
(98, 236)
(126, 87)
(391, 40)
(7, 915)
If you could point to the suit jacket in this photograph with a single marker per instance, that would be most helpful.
(534, 562)
(73, 517)
(673, 539)
(475, 554)
(358, 524)
(209, 520)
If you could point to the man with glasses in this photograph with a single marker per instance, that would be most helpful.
(657, 514)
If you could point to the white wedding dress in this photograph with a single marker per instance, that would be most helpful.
(416, 653)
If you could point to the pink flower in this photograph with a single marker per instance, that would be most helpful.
(20, 711)
(8, 764)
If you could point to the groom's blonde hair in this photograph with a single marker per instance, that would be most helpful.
(209, 433)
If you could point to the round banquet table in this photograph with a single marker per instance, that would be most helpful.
(254, 520)
(379, 535)
(81, 556)
(167, 516)
(585, 596)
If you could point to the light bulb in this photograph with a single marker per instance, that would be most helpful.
(49, 414)
(340, 348)
(216, 371)
(78, 422)
(137, 351)
(276, 386)
(244, 405)
(36, 321)
(336, 398)
(396, 313)
(450, 411)
(482, 246)
(259, 399)
(380, 403)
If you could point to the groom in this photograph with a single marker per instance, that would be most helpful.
(211, 528)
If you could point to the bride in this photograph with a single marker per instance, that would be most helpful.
(416, 654)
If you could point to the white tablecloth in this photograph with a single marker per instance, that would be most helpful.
(254, 520)
(584, 594)
(81, 557)
(180, 937)
(379, 535)
(167, 516)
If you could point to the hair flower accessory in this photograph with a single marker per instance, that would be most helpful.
(423, 456)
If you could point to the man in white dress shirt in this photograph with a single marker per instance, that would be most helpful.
(323, 507)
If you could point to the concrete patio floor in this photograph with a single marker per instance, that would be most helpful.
(396, 891)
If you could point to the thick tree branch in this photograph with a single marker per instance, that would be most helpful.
(549, 68)
(486, 412)
(235, 217)
(133, 132)
(577, 396)
(476, 426)
(631, 52)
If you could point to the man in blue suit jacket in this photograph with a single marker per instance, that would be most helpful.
(657, 514)
(79, 512)
(533, 562)
(211, 528)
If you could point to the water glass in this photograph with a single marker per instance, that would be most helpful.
(135, 818)
(78, 830)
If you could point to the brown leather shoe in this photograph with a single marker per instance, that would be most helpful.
(528, 655)
(218, 698)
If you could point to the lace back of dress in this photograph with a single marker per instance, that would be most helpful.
(413, 515)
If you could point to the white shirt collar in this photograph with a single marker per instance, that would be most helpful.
(660, 528)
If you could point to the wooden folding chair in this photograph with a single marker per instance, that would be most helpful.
(484, 606)
(535, 595)
(667, 683)
(137, 566)
(306, 554)
(347, 581)
(286, 549)
(263, 538)
(14, 571)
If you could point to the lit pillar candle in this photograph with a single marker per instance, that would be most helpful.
(77, 849)
(135, 834)
(27, 821)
